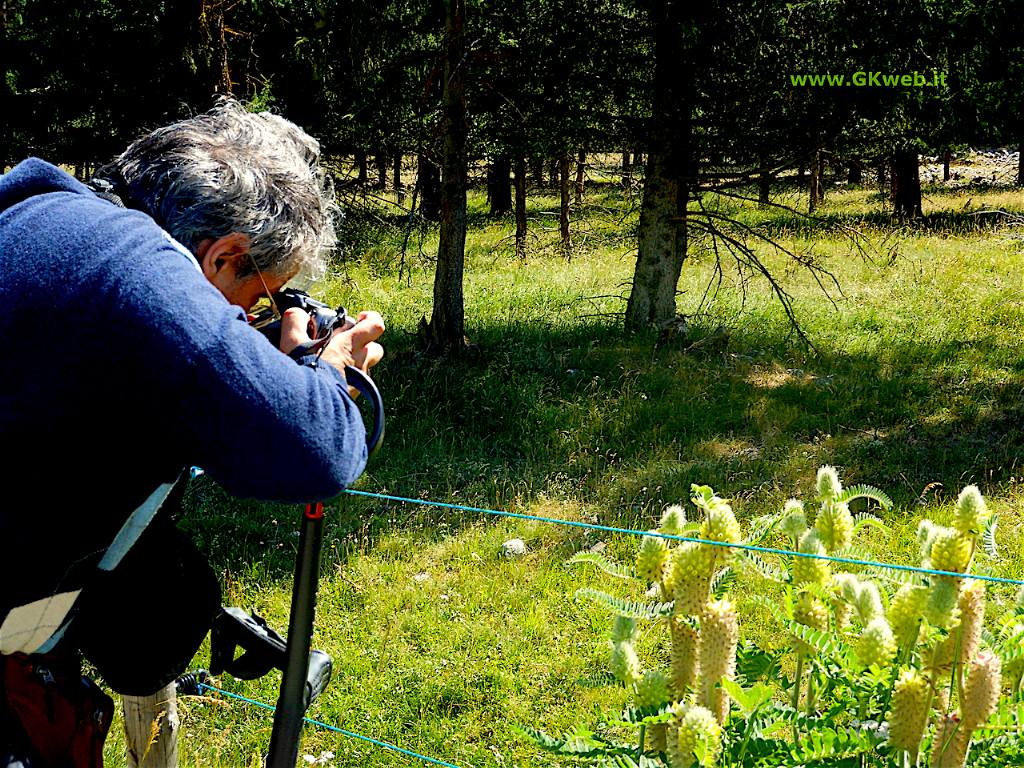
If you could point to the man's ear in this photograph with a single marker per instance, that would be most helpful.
(229, 251)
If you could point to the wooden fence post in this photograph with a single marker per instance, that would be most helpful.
(151, 729)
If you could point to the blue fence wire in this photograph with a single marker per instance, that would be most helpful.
(606, 529)
(674, 537)
(335, 729)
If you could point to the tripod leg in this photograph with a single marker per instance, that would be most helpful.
(291, 707)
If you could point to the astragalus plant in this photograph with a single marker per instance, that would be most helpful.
(877, 667)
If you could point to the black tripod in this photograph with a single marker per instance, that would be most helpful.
(306, 672)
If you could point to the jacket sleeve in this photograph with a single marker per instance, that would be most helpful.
(257, 422)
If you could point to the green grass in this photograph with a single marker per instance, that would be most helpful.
(441, 644)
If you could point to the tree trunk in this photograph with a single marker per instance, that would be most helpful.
(553, 172)
(223, 82)
(499, 191)
(364, 171)
(520, 184)
(764, 184)
(638, 158)
(662, 231)
(856, 175)
(906, 184)
(801, 171)
(396, 177)
(816, 189)
(381, 161)
(151, 729)
(537, 171)
(429, 182)
(947, 156)
(563, 208)
(881, 176)
(581, 176)
(627, 172)
(445, 333)
(1020, 165)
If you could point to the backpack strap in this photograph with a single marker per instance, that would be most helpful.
(40, 625)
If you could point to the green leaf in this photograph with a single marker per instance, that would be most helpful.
(763, 526)
(766, 569)
(630, 608)
(864, 520)
(578, 743)
(825, 643)
(988, 537)
(753, 663)
(722, 582)
(748, 699)
(607, 565)
(647, 715)
(864, 492)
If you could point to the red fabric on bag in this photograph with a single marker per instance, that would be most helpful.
(63, 717)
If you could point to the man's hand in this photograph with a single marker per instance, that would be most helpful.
(354, 345)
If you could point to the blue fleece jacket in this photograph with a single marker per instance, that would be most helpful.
(120, 365)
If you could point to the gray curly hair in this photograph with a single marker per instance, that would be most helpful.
(229, 170)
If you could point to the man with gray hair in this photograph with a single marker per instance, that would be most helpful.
(128, 356)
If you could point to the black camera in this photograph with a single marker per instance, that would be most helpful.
(323, 320)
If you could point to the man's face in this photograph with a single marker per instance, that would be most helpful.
(227, 265)
(246, 291)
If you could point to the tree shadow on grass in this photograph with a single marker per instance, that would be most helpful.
(597, 417)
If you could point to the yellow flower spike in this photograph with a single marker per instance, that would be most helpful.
(808, 570)
(652, 690)
(794, 521)
(869, 602)
(720, 634)
(827, 483)
(949, 746)
(810, 612)
(696, 733)
(691, 576)
(941, 609)
(909, 712)
(876, 644)
(720, 525)
(684, 657)
(906, 613)
(981, 690)
(950, 551)
(651, 559)
(835, 526)
(971, 512)
(972, 618)
(624, 663)
(672, 520)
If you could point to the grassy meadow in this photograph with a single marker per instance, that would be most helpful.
(915, 384)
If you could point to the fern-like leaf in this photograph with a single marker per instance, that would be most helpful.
(864, 492)
(646, 715)
(630, 608)
(763, 526)
(763, 567)
(1009, 715)
(753, 663)
(722, 582)
(618, 570)
(865, 520)
(988, 537)
(578, 743)
(825, 643)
